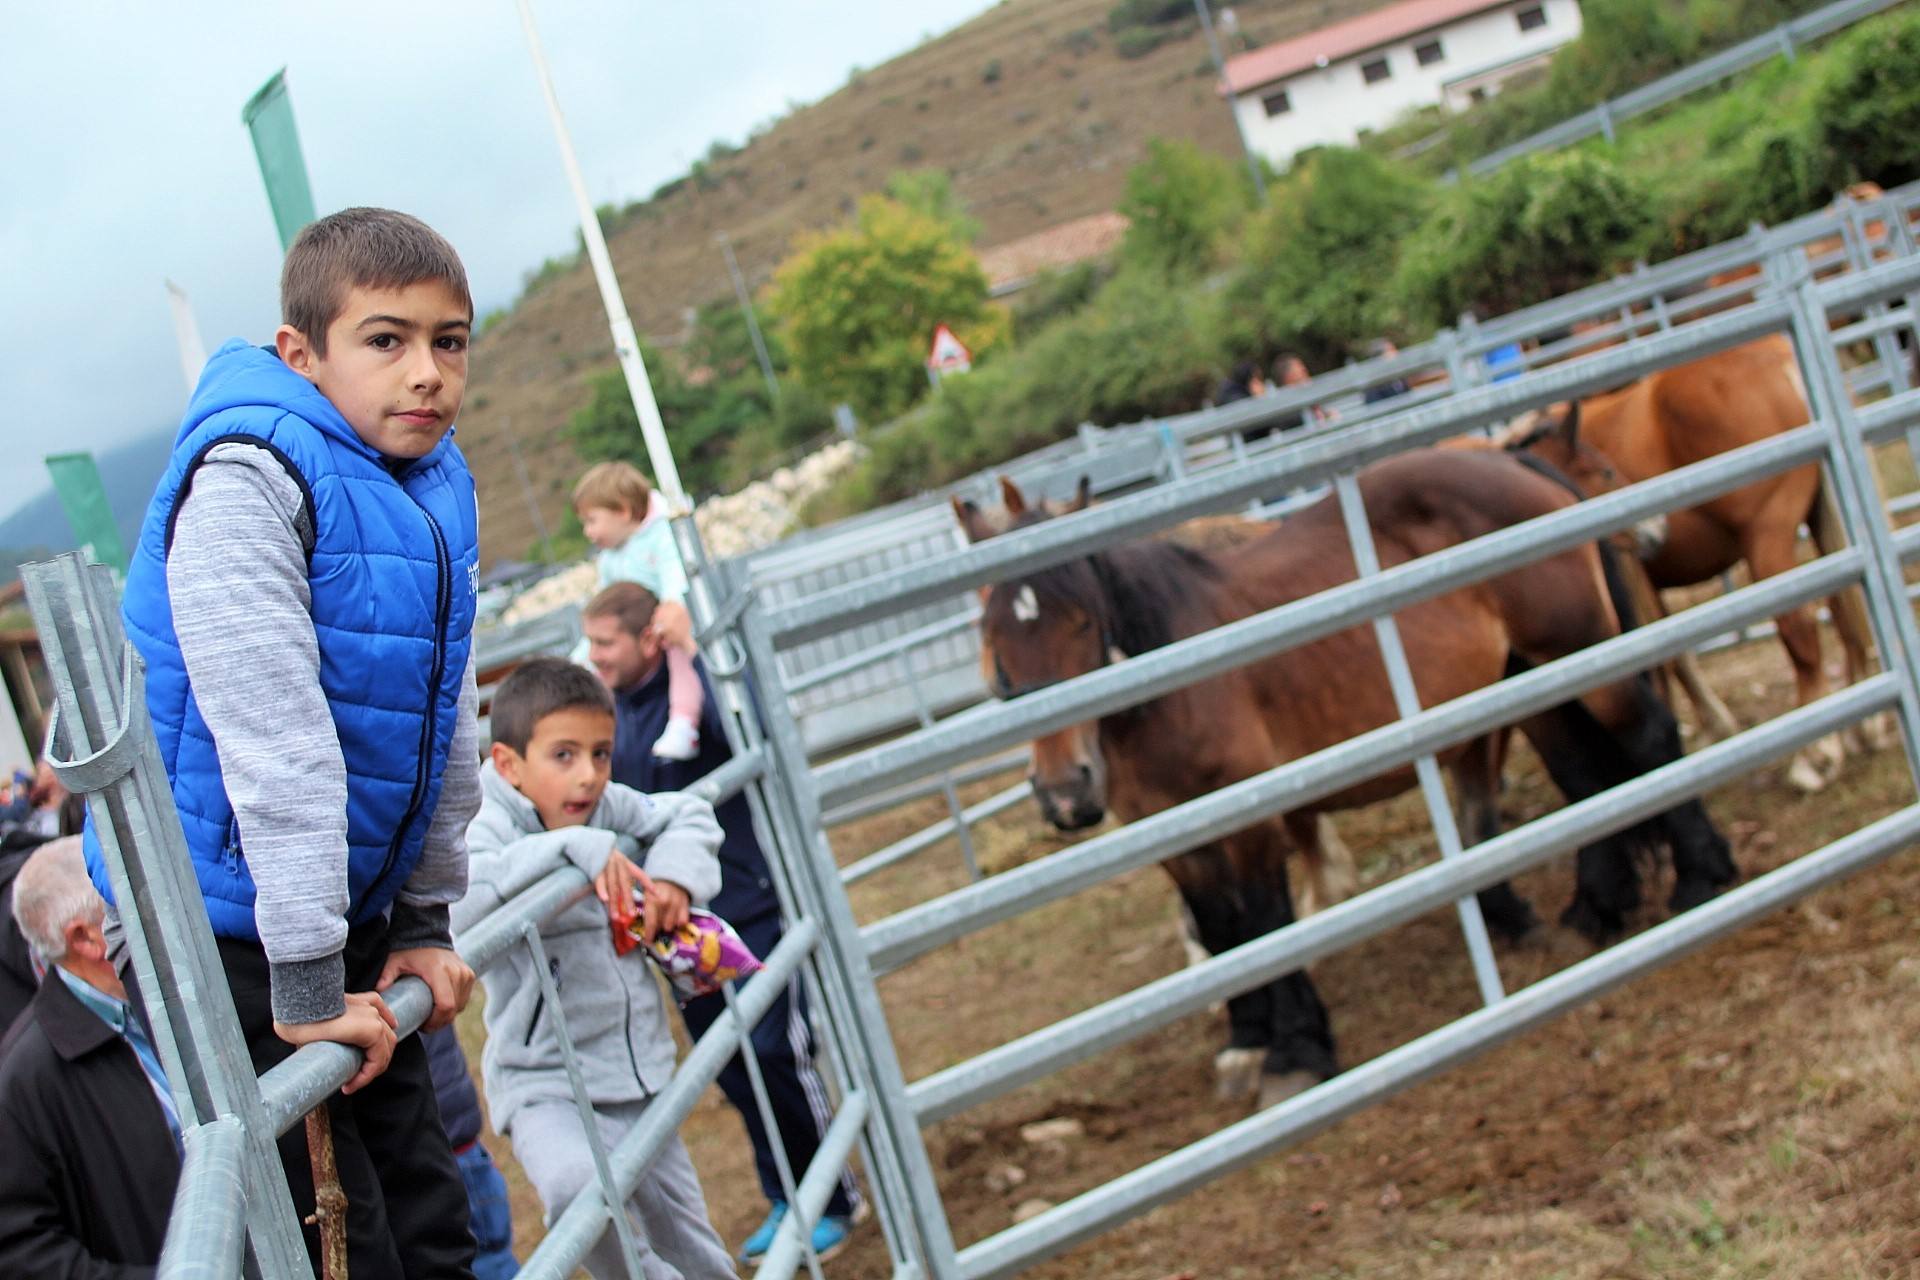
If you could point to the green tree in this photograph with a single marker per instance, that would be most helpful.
(1541, 226)
(1315, 265)
(1182, 201)
(858, 306)
(1869, 106)
(930, 191)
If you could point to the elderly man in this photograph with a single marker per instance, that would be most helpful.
(89, 1130)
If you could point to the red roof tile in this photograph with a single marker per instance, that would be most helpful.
(1064, 245)
(1344, 39)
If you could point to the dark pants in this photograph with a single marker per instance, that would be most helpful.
(783, 1043)
(406, 1202)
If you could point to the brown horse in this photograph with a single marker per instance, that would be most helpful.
(1695, 411)
(1069, 619)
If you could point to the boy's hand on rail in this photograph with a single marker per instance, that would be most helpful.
(615, 884)
(445, 973)
(368, 1025)
(666, 908)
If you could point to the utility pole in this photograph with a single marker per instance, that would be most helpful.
(1220, 66)
(753, 322)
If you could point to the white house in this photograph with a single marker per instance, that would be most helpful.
(1331, 85)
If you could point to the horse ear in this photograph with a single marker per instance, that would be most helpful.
(967, 512)
(1082, 496)
(1010, 495)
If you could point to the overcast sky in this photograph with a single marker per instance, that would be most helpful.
(123, 162)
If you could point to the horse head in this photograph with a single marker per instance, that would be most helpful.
(1037, 630)
(1552, 436)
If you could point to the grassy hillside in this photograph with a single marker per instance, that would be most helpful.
(1030, 107)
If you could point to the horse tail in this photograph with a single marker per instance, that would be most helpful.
(1848, 607)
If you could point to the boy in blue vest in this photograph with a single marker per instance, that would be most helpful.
(303, 595)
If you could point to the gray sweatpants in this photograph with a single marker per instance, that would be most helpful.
(672, 1234)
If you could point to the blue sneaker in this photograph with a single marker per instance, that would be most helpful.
(829, 1236)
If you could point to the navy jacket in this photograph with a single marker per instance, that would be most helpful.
(452, 1086)
(87, 1164)
(640, 715)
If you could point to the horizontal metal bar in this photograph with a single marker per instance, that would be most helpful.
(900, 937)
(867, 657)
(1429, 888)
(894, 798)
(731, 778)
(1187, 661)
(1300, 1117)
(1883, 420)
(1305, 462)
(784, 1256)
(1872, 326)
(574, 1232)
(927, 837)
(206, 1228)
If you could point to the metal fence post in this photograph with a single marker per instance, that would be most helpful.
(1406, 701)
(103, 746)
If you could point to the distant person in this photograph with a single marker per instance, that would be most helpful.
(625, 518)
(488, 1208)
(1380, 349)
(88, 1126)
(546, 793)
(1242, 382)
(302, 594)
(625, 650)
(1509, 360)
(1289, 370)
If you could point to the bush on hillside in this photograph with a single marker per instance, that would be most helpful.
(1315, 264)
(1148, 13)
(858, 306)
(1541, 226)
(1054, 295)
(1869, 106)
(1776, 172)
(1183, 203)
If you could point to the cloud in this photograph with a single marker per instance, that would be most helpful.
(126, 162)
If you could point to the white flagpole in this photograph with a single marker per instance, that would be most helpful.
(186, 331)
(666, 475)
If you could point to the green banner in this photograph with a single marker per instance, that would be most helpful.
(268, 116)
(77, 480)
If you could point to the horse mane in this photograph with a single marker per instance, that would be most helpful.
(1136, 591)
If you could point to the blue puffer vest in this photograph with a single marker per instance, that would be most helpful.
(393, 569)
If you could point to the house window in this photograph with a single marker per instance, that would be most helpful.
(1429, 53)
(1277, 104)
(1375, 71)
(1478, 93)
(1531, 18)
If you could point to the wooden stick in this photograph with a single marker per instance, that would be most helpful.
(329, 1199)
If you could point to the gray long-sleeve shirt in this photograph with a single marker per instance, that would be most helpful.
(242, 611)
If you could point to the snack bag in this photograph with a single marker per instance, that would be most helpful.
(697, 957)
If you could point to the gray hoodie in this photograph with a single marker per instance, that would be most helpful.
(613, 1004)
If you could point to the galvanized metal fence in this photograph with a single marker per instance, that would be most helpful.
(1784, 41)
(1838, 439)
(232, 1189)
(1849, 236)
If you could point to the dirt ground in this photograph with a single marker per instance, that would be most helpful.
(1747, 1112)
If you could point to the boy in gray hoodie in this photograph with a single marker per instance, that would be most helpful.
(545, 791)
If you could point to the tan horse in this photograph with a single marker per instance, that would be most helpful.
(1683, 415)
(1069, 619)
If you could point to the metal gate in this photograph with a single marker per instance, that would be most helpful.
(232, 1193)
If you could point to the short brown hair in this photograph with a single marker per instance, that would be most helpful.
(627, 603)
(361, 249)
(538, 688)
(617, 486)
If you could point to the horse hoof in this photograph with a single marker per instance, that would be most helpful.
(1236, 1073)
(1275, 1090)
(1804, 776)
(1688, 894)
(1595, 924)
(1881, 732)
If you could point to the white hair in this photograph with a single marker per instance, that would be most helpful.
(50, 893)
